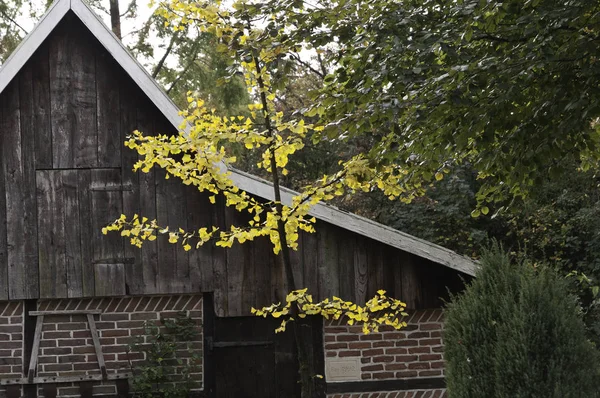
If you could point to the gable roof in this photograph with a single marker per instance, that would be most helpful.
(249, 183)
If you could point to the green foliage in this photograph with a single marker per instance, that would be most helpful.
(170, 360)
(516, 332)
(508, 87)
(11, 31)
(442, 215)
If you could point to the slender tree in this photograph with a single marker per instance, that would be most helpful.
(252, 36)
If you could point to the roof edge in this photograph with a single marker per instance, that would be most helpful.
(360, 225)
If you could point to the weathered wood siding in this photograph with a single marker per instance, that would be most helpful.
(65, 173)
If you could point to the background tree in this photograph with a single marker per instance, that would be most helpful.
(11, 31)
(507, 87)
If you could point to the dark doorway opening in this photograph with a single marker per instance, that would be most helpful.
(245, 358)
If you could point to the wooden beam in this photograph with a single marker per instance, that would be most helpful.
(65, 312)
(62, 379)
(97, 346)
(35, 348)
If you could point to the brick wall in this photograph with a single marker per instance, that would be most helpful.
(11, 340)
(66, 348)
(415, 351)
(439, 393)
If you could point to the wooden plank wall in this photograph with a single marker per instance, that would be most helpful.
(65, 174)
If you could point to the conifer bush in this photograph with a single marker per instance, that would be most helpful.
(517, 332)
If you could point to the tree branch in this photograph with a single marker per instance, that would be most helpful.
(184, 71)
(161, 63)
(14, 22)
(307, 65)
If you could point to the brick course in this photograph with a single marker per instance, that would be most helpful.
(66, 348)
(439, 393)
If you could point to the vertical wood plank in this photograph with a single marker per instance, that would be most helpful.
(278, 282)
(110, 142)
(176, 267)
(220, 261)
(51, 235)
(178, 218)
(106, 206)
(60, 97)
(27, 182)
(262, 271)
(109, 279)
(375, 268)
(167, 252)
(390, 263)
(346, 243)
(411, 287)
(249, 282)
(73, 242)
(40, 67)
(201, 264)
(236, 271)
(310, 262)
(3, 217)
(398, 294)
(360, 270)
(84, 130)
(86, 231)
(328, 270)
(14, 168)
(134, 272)
(147, 184)
(297, 266)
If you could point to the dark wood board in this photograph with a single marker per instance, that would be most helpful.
(134, 272)
(51, 235)
(73, 258)
(40, 75)
(28, 153)
(3, 216)
(60, 92)
(18, 207)
(110, 142)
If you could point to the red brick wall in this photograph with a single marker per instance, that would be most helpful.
(66, 348)
(415, 351)
(440, 393)
(11, 339)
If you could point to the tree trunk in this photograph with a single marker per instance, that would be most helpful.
(302, 327)
(115, 18)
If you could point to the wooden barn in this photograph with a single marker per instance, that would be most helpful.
(72, 298)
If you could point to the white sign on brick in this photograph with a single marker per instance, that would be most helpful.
(342, 369)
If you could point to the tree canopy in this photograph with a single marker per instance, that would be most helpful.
(509, 87)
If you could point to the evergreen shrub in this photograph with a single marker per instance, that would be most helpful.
(517, 332)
